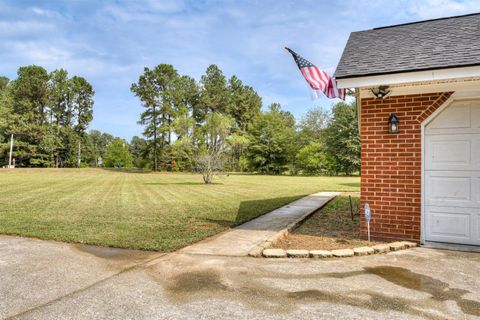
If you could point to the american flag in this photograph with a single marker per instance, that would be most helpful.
(318, 79)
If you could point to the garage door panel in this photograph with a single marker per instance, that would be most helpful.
(476, 227)
(476, 152)
(452, 175)
(452, 152)
(445, 188)
(446, 152)
(475, 110)
(448, 225)
(456, 116)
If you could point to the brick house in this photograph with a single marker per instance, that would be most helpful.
(422, 183)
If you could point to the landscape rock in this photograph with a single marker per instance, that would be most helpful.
(409, 244)
(343, 253)
(395, 246)
(256, 252)
(279, 236)
(298, 253)
(381, 248)
(274, 253)
(320, 253)
(266, 245)
(363, 251)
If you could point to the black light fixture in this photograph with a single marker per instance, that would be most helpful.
(393, 124)
(380, 92)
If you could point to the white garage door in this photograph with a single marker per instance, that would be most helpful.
(452, 175)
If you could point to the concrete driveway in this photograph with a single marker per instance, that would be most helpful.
(49, 280)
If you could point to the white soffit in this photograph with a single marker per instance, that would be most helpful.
(452, 85)
(409, 77)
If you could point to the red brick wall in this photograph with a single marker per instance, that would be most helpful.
(391, 164)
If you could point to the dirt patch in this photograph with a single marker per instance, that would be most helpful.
(329, 228)
(295, 241)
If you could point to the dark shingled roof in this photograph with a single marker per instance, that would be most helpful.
(425, 45)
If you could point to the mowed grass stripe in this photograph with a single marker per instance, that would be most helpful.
(158, 211)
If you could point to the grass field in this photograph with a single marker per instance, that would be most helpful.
(154, 211)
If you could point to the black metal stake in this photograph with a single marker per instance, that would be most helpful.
(351, 206)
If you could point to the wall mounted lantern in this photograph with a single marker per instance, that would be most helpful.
(393, 124)
(380, 92)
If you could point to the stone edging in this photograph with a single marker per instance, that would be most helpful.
(342, 253)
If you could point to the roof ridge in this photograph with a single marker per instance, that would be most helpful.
(428, 20)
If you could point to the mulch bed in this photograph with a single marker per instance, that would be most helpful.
(330, 228)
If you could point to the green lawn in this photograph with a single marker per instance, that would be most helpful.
(154, 211)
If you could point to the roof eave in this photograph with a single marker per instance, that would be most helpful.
(391, 78)
(359, 75)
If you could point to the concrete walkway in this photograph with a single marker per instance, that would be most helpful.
(244, 238)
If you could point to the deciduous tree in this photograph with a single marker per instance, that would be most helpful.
(342, 140)
(272, 136)
(118, 154)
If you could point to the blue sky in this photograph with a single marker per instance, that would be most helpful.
(109, 42)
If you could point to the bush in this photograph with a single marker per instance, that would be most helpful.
(312, 159)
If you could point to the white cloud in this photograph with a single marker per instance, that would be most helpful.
(427, 9)
(146, 11)
(38, 10)
(25, 27)
(54, 57)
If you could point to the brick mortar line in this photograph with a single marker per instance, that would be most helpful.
(443, 95)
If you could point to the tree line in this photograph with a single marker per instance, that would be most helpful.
(218, 124)
(212, 125)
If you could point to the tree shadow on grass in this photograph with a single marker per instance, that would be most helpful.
(128, 170)
(251, 209)
(186, 183)
(351, 184)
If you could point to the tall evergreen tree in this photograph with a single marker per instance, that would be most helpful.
(71, 108)
(30, 97)
(244, 103)
(30, 92)
(154, 88)
(82, 93)
(214, 95)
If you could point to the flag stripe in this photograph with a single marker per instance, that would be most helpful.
(314, 73)
(317, 83)
(317, 78)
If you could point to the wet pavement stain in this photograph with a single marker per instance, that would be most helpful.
(198, 281)
(439, 290)
(247, 287)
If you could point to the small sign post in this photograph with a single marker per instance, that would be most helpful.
(10, 165)
(367, 218)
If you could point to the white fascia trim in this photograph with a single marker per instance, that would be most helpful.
(409, 77)
(457, 85)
